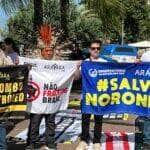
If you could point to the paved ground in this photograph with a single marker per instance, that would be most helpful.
(113, 126)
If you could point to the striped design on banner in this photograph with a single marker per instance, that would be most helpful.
(116, 141)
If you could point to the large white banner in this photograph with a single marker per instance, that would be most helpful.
(50, 83)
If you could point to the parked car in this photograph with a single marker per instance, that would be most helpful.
(120, 53)
(86, 54)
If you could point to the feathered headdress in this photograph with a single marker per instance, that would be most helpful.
(46, 33)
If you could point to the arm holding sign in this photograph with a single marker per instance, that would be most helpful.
(77, 73)
(4, 60)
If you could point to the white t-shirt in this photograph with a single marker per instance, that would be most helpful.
(97, 60)
(146, 57)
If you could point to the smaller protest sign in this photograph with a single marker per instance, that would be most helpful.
(13, 88)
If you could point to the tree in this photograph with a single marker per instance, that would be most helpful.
(21, 26)
(134, 13)
(12, 5)
(82, 25)
(38, 13)
(64, 9)
(51, 12)
(137, 20)
(109, 12)
(145, 30)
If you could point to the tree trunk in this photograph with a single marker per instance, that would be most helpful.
(64, 8)
(38, 14)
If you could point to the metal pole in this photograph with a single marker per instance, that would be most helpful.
(122, 33)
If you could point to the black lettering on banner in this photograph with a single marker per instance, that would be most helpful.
(51, 99)
(51, 93)
(50, 86)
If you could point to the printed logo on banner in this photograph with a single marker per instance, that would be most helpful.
(97, 72)
(33, 91)
(93, 73)
(55, 67)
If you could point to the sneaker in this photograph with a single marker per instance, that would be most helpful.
(97, 146)
(82, 146)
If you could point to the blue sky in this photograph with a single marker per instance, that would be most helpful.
(3, 19)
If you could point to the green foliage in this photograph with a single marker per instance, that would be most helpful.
(80, 27)
(93, 19)
(21, 26)
(51, 12)
(136, 19)
(12, 5)
(135, 13)
(144, 25)
(85, 26)
(109, 13)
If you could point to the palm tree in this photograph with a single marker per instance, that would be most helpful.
(64, 8)
(109, 12)
(13, 5)
(38, 13)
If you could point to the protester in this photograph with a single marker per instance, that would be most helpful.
(85, 136)
(11, 50)
(2, 47)
(47, 52)
(4, 61)
(33, 141)
(146, 120)
(146, 57)
(35, 120)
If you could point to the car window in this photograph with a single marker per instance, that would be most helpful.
(105, 51)
(124, 49)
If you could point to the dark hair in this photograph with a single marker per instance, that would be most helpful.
(10, 41)
(1, 44)
(96, 41)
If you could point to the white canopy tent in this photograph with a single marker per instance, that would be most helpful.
(142, 44)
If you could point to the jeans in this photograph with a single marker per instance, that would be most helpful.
(3, 145)
(33, 132)
(85, 136)
(146, 130)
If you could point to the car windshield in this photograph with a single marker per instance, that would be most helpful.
(124, 49)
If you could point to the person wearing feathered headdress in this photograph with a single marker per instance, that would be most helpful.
(46, 52)
(44, 42)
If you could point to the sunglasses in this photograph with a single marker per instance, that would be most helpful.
(95, 48)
